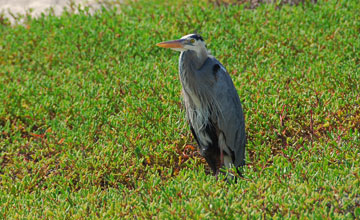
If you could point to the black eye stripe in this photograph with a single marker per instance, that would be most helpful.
(197, 37)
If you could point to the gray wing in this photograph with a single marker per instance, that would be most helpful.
(230, 121)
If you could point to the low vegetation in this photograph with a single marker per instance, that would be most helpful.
(91, 123)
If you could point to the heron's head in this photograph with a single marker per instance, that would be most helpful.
(188, 42)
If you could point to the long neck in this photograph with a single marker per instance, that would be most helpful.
(198, 98)
(195, 59)
(189, 62)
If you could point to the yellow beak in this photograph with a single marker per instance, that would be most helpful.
(171, 44)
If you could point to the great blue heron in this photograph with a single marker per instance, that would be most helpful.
(212, 105)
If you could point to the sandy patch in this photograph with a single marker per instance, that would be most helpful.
(11, 8)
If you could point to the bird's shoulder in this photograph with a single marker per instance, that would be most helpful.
(213, 69)
(214, 64)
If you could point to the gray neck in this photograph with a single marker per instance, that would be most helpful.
(199, 100)
(194, 59)
(195, 87)
(190, 61)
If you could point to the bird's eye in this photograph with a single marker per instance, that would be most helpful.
(192, 41)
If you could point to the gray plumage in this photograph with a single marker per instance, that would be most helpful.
(212, 105)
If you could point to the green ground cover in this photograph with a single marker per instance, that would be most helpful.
(91, 123)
